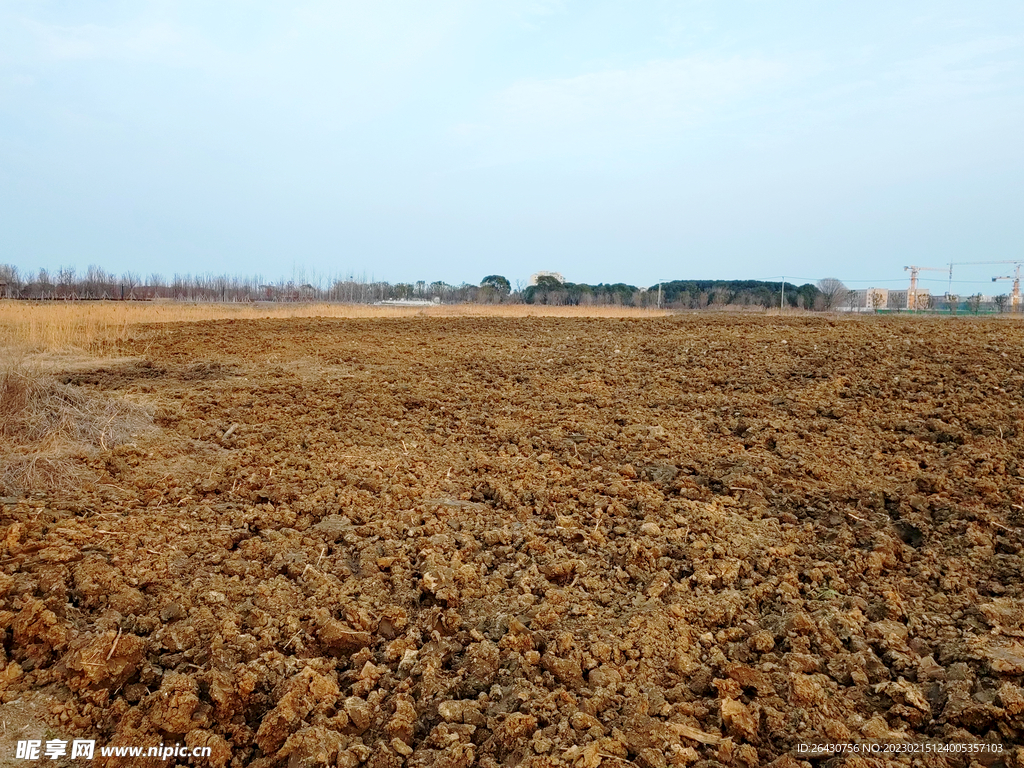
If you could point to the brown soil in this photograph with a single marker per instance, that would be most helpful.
(538, 541)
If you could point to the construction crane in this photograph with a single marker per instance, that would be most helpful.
(912, 293)
(1015, 296)
(966, 263)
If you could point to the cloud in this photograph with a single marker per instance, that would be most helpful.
(161, 42)
(528, 10)
(315, 66)
(656, 92)
(651, 102)
(967, 68)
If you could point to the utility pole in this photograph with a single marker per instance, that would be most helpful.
(782, 301)
(660, 281)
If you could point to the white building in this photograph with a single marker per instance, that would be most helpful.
(869, 299)
(537, 275)
(874, 299)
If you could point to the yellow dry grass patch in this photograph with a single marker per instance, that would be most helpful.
(99, 326)
(47, 428)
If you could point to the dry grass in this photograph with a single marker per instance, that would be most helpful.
(46, 428)
(99, 327)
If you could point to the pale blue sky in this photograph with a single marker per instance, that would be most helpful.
(448, 140)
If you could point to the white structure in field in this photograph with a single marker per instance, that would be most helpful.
(408, 302)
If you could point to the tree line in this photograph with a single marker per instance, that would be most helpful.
(98, 284)
(95, 283)
(678, 294)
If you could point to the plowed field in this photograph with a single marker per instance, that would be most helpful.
(495, 541)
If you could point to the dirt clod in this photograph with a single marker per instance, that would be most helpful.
(499, 542)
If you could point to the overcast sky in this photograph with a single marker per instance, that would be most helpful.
(452, 139)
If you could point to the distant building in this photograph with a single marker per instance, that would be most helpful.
(897, 300)
(869, 299)
(537, 275)
(922, 299)
(876, 299)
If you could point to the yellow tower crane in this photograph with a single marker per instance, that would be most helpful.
(912, 293)
(968, 263)
(1015, 296)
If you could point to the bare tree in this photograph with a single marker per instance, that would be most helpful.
(66, 281)
(129, 282)
(94, 281)
(833, 292)
(156, 284)
(1001, 301)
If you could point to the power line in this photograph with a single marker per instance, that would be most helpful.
(939, 280)
(786, 278)
(903, 280)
